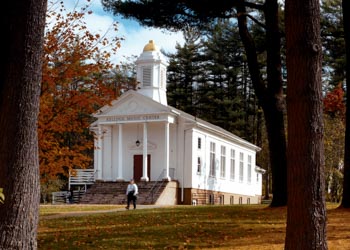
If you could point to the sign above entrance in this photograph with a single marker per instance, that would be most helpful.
(139, 118)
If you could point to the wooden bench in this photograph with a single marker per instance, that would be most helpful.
(60, 197)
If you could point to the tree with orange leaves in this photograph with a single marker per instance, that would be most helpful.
(77, 80)
(334, 136)
(334, 104)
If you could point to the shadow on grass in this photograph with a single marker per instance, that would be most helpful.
(181, 227)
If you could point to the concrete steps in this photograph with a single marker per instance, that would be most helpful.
(114, 192)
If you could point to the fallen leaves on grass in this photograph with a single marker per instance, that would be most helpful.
(183, 227)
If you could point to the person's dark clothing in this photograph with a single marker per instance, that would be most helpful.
(131, 193)
(131, 198)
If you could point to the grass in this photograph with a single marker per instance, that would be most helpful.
(181, 227)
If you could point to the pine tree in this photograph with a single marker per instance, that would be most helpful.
(228, 89)
(306, 215)
(184, 70)
(332, 35)
(23, 22)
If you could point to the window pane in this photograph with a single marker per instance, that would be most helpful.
(223, 162)
(232, 165)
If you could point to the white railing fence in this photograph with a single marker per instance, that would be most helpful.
(81, 177)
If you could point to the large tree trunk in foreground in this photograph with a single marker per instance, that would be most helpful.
(306, 218)
(275, 105)
(346, 184)
(22, 23)
(270, 97)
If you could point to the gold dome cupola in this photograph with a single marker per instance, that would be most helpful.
(150, 46)
(151, 73)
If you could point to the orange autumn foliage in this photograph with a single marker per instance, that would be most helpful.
(76, 81)
(334, 103)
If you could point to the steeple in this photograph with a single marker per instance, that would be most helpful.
(151, 73)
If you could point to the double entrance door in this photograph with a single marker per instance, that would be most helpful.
(138, 167)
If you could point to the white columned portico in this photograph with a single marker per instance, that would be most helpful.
(145, 165)
(120, 152)
(166, 151)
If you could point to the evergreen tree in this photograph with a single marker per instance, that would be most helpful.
(227, 89)
(208, 78)
(184, 71)
(332, 34)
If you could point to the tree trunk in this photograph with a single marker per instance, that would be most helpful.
(267, 184)
(346, 183)
(271, 97)
(306, 217)
(275, 103)
(23, 23)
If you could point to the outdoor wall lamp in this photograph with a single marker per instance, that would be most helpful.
(137, 143)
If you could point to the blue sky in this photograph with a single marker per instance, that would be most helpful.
(136, 36)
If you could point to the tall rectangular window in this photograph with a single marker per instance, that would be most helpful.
(146, 76)
(232, 165)
(249, 168)
(199, 143)
(199, 165)
(223, 162)
(241, 167)
(212, 159)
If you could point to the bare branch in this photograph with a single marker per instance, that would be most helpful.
(252, 18)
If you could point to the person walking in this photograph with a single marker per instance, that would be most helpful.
(131, 192)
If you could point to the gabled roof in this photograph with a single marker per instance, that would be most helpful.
(207, 126)
(131, 102)
(134, 103)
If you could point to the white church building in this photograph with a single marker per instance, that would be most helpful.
(139, 136)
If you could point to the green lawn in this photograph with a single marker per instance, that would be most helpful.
(181, 227)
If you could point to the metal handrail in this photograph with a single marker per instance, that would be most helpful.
(153, 189)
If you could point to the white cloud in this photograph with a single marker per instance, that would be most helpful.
(135, 36)
(100, 24)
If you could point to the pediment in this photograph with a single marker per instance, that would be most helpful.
(133, 103)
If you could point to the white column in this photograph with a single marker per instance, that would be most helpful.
(166, 151)
(96, 141)
(145, 167)
(114, 152)
(107, 153)
(120, 153)
(99, 150)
